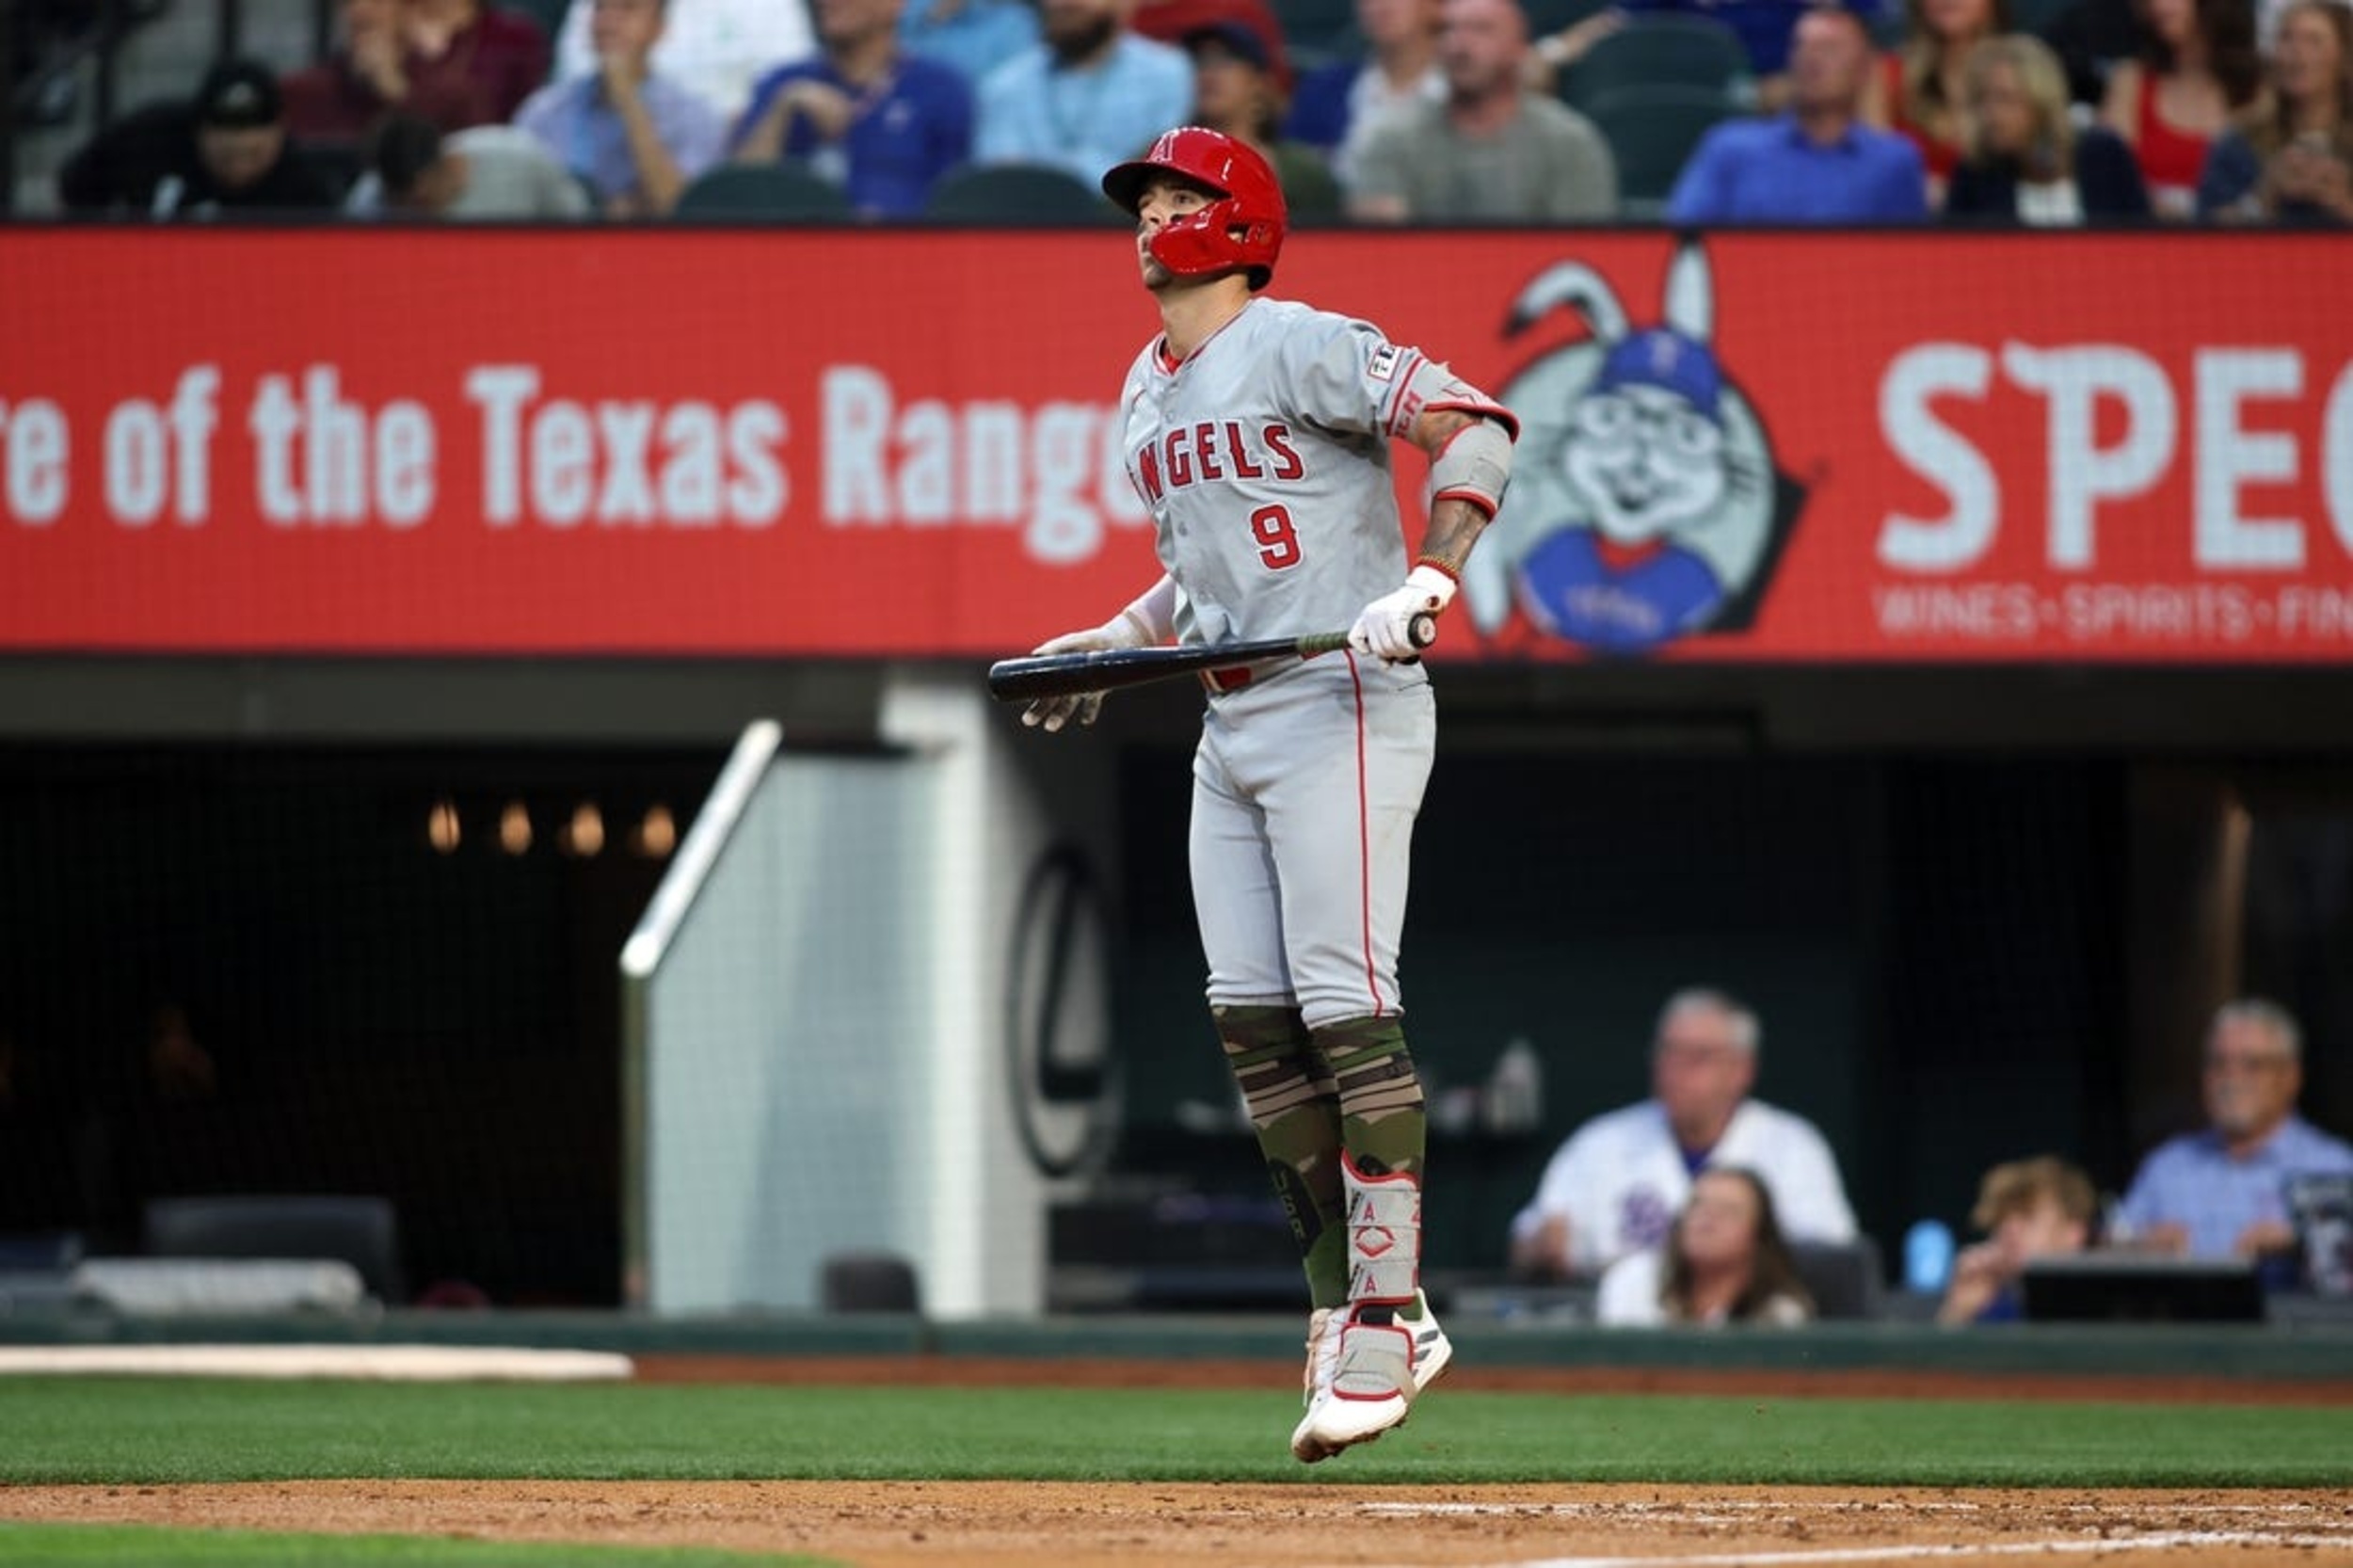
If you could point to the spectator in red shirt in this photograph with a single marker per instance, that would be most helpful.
(1920, 88)
(2199, 68)
(373, 72)
(501, 56)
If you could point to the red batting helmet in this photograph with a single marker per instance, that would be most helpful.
(1242, 228)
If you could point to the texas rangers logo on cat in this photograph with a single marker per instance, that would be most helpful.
(1645, 507)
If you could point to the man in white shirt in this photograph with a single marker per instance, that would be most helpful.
(1618, 1182)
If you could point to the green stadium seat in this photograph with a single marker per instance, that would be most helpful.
(779, 193)
(1016, 194)
(1651, 132)
(1546, 17)
(1319, 30)
(1670, 50)
(1845, 1278)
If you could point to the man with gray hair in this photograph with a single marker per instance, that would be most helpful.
(1616, 1186)
(2221, 1191)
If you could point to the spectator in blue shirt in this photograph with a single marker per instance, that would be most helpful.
(634, 138)
(1815, 162)
(882, 123)
(1092, 93)
(2222, 1193)
(974, 36)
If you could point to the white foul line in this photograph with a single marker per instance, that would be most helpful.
(2159, 1541)
(1688, 1511)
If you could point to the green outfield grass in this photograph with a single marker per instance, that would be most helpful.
(137, 1431)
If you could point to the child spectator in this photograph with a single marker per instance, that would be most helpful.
(2028, 1209)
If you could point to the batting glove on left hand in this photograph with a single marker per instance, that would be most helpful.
(1052, 712)
(1384, 627)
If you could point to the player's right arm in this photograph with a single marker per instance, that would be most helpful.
(1148, 620)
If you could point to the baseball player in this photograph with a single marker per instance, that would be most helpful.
(1258, 432)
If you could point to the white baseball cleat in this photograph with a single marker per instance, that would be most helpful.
(1363, 1378)
(1433, 1353)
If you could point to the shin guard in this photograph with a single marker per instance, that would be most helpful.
(1384, 1236)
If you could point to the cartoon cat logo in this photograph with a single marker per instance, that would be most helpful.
(1644, 505)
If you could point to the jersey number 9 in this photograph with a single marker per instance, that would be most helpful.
(1278, 541)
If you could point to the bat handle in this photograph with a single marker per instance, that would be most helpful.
(1421, 631)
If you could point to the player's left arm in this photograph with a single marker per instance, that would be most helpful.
(1464, 495)
(1468, 439)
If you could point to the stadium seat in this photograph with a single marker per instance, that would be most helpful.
(869, 1282)
(1315, 31)
(1016, 194)
(1651, 132)
(779, 193)
(1670, 49)
(1843, 1277)
(360, 1231)
(548, 14)
(1546, 17)
(2030, 16)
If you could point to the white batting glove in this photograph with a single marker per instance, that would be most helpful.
(1384, 627)
(1052, 712)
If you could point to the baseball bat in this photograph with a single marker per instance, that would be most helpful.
(1067, 674)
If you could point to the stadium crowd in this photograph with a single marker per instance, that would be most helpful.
(1628, 1203)
(1413, 111)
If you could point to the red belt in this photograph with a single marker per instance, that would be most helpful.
(1232, 678)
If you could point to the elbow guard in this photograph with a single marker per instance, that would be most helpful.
(1475, 465)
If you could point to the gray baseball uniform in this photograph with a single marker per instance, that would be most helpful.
(1264, 459)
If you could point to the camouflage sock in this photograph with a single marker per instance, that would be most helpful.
(1296, 1113)
(1384, 1125)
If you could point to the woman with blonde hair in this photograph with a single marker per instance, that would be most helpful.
(2027, 162)
(1917, 91)
(2291, 159)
